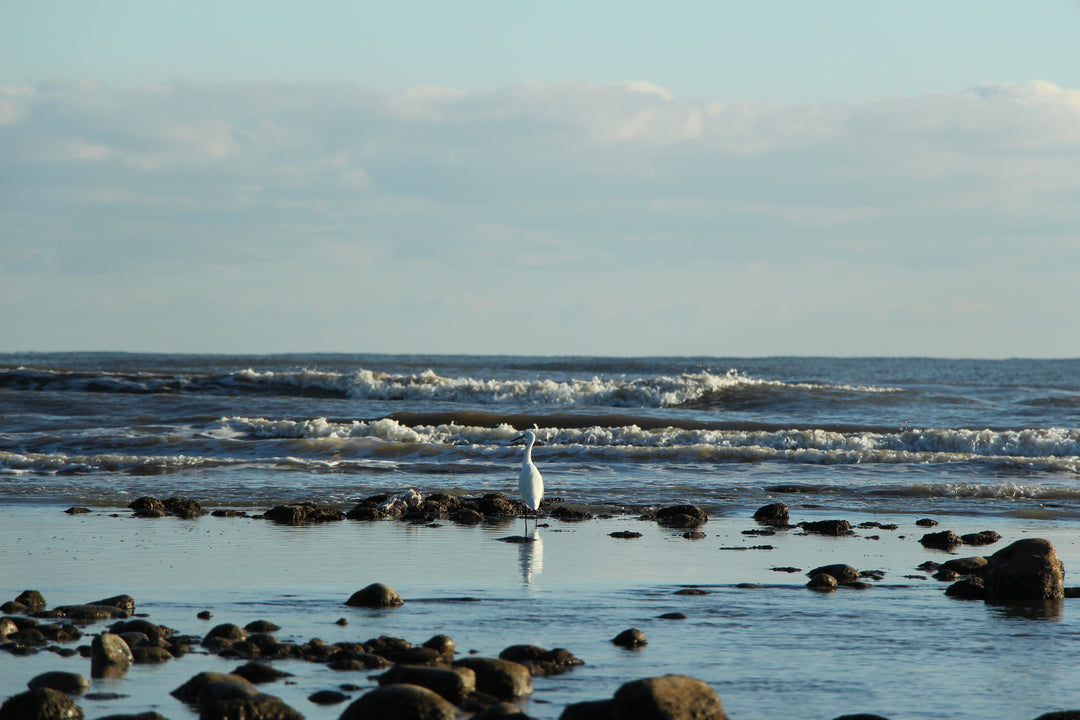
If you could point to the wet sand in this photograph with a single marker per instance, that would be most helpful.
(769, 646)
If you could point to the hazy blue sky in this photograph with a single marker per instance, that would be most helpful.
(831, 178)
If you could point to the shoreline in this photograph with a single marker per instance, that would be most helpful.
(244, 569)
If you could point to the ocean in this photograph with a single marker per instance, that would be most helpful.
(975, 444)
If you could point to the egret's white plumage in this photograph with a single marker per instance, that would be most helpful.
(530, 481)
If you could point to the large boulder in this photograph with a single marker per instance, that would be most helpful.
(503, 679)
(453, 684)
(375, 595)
(110, 656)
(40, 704)
(1028, 570)
(670, 697)
(400, 702)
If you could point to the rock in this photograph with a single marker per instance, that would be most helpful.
(502, 679)
(239, 700)
(40, 704)
(123, 602)
(683, 516)
(844, 574)
(189, 691)
(261, 626)
(986, 537)
(257, 673)
(400, 702)
(1027, 570)
(90, 613)
(226, 631)
(828, 527)
(670, 697)
(453, 684)
(944, 540)
(1060, 715)
(861, 716)
(822, 582)
(77, 510)
(588, 710)
(365, 512)
(672, 616)
(183, 508)
(632, 638)
(7, 627)
(625, 535)
(110, 656)
(967, 589)
(501, 711)
(150, 655)
(442, 644)
(328, 697)
(540, 661)
(145, 503)
(569, 514)
(302, 513)
(467, 516)
(965, 566)
(66, 682)
(946, 575)
(774, 514)
(694, 535)
(33, 600)
(149, 715)
(375, 595)
(926, 522)
(499, 505)
(151, 630)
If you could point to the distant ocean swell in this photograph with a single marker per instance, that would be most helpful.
(694, 390)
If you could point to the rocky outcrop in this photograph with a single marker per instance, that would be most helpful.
(1028, 570)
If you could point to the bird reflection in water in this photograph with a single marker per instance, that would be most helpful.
(531, 557)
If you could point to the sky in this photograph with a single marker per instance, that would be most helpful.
(588, 178)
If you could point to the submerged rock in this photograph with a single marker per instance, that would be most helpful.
(967, 589)
(40, 704)
(1027, 570)
(66, 682)
(843, 574)
(631, 638)
(502, 679)
(822, 582)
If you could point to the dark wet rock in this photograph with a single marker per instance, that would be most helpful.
(261, 626)
(588, 710)
(672, 616)
(110, 656)
(122, 602)
(328, 697)
(453, 684)
(32, 600)
(1072, 592)
(691, 591)
(89, 613)
(40, 704)
(926, 522)
(625, 535)
(944, 574)
(467, 516)
(205, 615)
(150, 655)
(149, 715)
(670, 697)
(966, 565)
(442, 644)
(1027, 570)
(822, 582)
(828, 527)
(499, 505)
(631, 638)
(789, 488)
(189, 692)
(77, 510)
(375, 595)
(145, 503)
(569, 514)
(681, 516)
(183, 507)
(151, 513)
(365, 511)
(151, 630)
(861, 716)
(502, 679)
(66, 682)
(501, 711)
(541, 661)
(967, 589)
(360, 661)
(237, 699)
(843, 574)
(929, 566)
(986, 537)
(7, 627)
(415, 656)
(400, 702)
(1060, 715)
(872, 574)
(225, 631)
(786, 569)
(944, 540)
(14, 608)
(759, 532)
(774, 514)
(302, 513)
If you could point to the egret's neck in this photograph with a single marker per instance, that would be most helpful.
(528, 452)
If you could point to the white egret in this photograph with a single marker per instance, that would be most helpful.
(530, 481)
